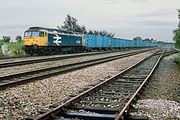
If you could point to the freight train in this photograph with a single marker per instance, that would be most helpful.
(41, 41)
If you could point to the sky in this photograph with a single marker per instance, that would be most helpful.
(126, 18)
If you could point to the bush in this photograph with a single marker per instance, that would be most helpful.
(14, 49)
(1, 43)
(177, 60)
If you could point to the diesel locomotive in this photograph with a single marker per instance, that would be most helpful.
(41, 41)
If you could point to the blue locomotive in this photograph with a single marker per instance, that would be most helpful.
(38, 40)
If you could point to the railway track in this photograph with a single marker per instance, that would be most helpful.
(20, 78)
(109, 100)
(31, 60)
(49, 58)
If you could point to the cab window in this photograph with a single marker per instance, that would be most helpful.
(46, 34)
(27, 34)
(41, 34)
(35, 34)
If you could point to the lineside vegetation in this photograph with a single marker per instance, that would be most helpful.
(15, 49)
(177, 39)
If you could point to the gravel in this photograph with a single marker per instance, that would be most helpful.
(24, 100)
(48, 56)
(158, 109)
(161, 98)
(37, 57)
(37, 66)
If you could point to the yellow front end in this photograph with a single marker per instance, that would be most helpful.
(41, 40)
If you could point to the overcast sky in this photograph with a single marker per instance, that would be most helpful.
(126, 18)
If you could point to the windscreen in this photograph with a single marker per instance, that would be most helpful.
(34, 34)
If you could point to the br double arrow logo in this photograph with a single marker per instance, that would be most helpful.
(57, 40)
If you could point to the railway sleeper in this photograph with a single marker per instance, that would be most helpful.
(129, 78)
(87, 115)
(130, 86)
(120, 90)
(129, 81)
(104, 96)
(134, 76)
(95, 109)
(101, 102)
(114, 93)
(139, 71)
(119, 84)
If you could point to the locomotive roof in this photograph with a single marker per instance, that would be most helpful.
(54, 30)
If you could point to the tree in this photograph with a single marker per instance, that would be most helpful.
(18, 38)
(176, 33)
(70, 24)
(91, 32)
(137, 38)
(96, 32)
(147, 39)
(6, 38)
(102, 33)
(111, 35)
(177, 37)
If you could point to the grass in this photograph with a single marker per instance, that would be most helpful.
(14, 49)
(177, 60)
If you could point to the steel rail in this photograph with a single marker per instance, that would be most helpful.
(38, 60)
(60, 109)
(14, 79)
(125, 110)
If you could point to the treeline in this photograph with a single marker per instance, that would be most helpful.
(7, 39)
(176, 32)
(71, 24)
(148, 40)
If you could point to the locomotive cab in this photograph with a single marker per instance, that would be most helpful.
(34, 40)
(38, 38)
